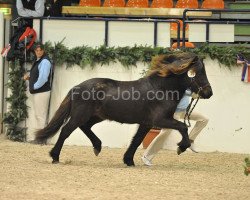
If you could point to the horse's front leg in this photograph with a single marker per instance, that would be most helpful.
(181, 127)
(136, 141)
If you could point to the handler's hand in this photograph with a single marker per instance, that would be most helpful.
(194, 95)
(26, 77)
(240, 62)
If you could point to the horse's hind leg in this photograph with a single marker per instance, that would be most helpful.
(64, 134)
(78, 118)
(96, 142)
(136, 141)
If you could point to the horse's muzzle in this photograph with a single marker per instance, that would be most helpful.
(206, 92)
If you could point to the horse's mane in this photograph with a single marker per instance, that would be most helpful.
(174, 63)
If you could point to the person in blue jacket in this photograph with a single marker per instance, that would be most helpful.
(40, 80)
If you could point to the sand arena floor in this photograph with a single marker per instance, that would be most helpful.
(26, 173)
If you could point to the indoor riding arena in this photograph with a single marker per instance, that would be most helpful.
(27, 173)
(125, 99)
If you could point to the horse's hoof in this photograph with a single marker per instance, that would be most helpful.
(55, 161)
(179, 151)
(96, 151)
(130, 164)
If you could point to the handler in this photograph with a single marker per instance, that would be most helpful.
(40, 79)
(180, 112)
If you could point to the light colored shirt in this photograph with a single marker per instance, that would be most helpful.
(23, 12)
(44, 70)
(184, 102)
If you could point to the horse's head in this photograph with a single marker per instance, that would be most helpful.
(189, 66)
(197, 79)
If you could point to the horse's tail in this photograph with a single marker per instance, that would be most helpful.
(61, 116)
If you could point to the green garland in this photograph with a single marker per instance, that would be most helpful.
(129, 56)
(224, 54)
(87, 56)
(17, 111)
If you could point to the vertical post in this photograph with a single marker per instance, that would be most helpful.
(2, 29)
(184, 27)
(41, 31)
(207, 32)
(106, 33)
(178, 34)
(155, 33)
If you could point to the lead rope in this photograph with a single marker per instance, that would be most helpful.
(188, 111)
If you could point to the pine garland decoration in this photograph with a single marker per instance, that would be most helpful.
(129, 56)
(17, 111)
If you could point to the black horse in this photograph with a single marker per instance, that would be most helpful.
(150, 102)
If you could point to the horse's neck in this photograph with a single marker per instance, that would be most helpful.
(171, 82)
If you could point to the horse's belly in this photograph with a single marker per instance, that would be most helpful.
(124, 114)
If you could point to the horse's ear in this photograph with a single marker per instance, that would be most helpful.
(182, 65)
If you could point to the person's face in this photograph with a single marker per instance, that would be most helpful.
(39, 52)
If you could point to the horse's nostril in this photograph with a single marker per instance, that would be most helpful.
(209, 93)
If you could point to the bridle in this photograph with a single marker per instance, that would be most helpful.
(188, 111)
(200, 88)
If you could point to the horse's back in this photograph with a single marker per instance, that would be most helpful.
(109, 84)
